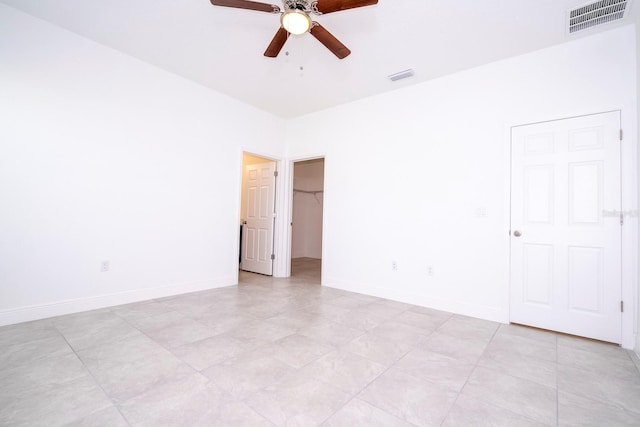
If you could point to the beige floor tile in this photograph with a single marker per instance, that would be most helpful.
(248, 373)
(331, 333)
(465, 349)
(367, 316)
(524, 397)
(173, 329)
(126, 350)
(211, 351)
(358, 413)
(296, 319)
(503, 343)
(400, 332)
(377, 348)
(635, 359)
(123, 380)
(87, 320)
(432, 312)
(298, 400)
(579, 411)
(471, 412)
(542, 335)
(260, 332)
(596, 361)
(189, 401)
(606, 349)
(26, 352)
(411, 399)
(345, 371)
(330, 312)
(290, 352)
(592, 384)
(22, 333)
(47, 371)
(268, 309)
(84, 330)
(53, 404)
(435, 368)
(348, 302)
(501, 358)
(295, 350)
(140, 310)
(468, 327)
(109, 417)
(428, 321)
(221, 322)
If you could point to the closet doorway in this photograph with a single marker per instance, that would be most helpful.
(306, 235)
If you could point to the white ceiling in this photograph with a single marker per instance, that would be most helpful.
(222, 48)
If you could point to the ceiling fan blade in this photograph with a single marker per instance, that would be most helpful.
(328, 6)
(328, 39)
(276, 44)
(246, 4)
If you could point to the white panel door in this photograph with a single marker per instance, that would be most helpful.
(565, 235)
(258, 218)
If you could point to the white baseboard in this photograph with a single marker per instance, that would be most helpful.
(465, 309)
(637, 349)
(59, 308)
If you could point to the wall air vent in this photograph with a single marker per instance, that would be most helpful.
(596, 13)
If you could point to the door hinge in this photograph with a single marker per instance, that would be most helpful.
(622, 306)
(620, 134)
(273, 256)
(621, 218)
(275, 173)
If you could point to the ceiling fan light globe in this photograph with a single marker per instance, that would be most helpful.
(296, 22)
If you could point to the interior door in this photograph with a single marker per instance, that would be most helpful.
(565, 226)
(258, 218)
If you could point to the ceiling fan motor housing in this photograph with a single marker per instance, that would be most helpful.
(302, 5)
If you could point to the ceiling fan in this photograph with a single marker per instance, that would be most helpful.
(295, 19)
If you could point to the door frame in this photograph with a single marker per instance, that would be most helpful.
(288, 241)
(293, 162)
(629, 240)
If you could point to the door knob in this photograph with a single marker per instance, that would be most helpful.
(244, 222)
(517, 233)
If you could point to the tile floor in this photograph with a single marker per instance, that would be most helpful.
(289, 352)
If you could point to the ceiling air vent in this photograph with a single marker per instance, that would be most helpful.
(597, 13)
(401, 75)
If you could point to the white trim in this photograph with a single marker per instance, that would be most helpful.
(43, 311)
(481, 312)
(637, 349)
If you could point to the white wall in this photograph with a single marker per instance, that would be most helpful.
(637, 331)
(306, 239)
(104, 157)
(405, 173)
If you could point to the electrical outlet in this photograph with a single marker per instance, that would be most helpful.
(104, 266)
(430, 271)
(481, 212)
(394, 266)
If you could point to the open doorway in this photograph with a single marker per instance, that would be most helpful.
(257, 214)
(306, 237)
